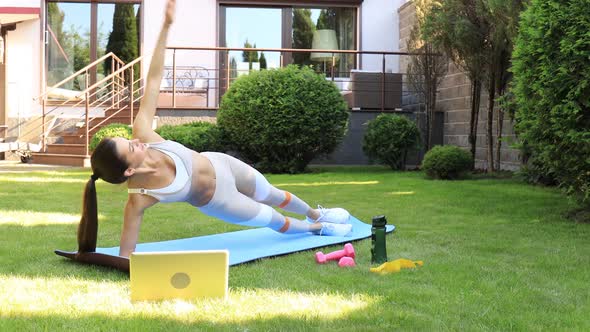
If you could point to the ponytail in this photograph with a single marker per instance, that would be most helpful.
(88, 227)
(111, 167)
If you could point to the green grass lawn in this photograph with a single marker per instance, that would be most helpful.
(498, 254)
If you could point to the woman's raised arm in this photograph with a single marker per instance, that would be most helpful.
(142, 126)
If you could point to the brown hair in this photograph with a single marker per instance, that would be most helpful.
(109, 166)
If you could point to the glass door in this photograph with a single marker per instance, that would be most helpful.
(68, 42)
(253, 27)
(328, 29)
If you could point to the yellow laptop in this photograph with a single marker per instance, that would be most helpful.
(179, 275)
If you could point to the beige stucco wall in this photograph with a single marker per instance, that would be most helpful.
(194, 26)
(454, 100)
(23, 68)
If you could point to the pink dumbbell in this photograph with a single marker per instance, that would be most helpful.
(346, 262)
(348, 251)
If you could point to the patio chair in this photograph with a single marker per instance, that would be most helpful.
(189, 80)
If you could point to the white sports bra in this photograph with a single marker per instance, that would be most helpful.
(180, 188)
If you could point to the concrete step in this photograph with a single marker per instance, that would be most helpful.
(60, 159)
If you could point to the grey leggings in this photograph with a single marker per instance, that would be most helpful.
(243, 196)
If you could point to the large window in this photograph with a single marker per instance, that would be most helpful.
(294, 27)
(79, 33)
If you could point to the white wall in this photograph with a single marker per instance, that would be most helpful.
(380, 32)
(20, 3)
(23, 69)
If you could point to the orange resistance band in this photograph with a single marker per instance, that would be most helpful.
(285, 226)
(286, 201)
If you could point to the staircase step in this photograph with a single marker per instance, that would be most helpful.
(126, 111)
(77, 149)
(73, 139)
(60, 159)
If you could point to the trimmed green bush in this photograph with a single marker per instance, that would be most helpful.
(198, 136)
(446, 162)
(281, 119)
(552, 92)
(111, 130)
(388, 139)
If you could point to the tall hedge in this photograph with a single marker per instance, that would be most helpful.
(281, 119)
(197, 136)
(551, 66)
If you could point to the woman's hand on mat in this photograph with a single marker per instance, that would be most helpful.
(170, 9)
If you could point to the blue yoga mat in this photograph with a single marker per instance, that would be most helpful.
(252, 244)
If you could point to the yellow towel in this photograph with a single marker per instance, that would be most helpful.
(396, 266)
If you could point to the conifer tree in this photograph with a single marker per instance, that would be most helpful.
(303, 29)
(123, 38)
(262, 61)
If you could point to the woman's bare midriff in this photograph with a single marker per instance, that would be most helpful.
(203, 184)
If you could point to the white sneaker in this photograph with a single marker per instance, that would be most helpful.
(331, 229)
(334, 216)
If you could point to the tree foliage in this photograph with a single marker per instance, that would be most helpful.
(327, 19)
(456, 27)
(123, 38)
(500, 18)
(478, 36)
(233, 68)
(551, 62)
(249, 56)
(427, 70)
(262, 61)
(303, 29)
(57, 58)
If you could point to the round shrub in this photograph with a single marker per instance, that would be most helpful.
(446, 162)
(198, 136)
(388, 139)
(552, 89)
(110, 130)
(281, 119)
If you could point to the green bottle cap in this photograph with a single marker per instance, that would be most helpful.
(379, 221)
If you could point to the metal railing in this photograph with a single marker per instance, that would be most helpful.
(386, 89)
(376, 90)
(113, 92)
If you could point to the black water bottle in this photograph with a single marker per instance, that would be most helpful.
(378, 247)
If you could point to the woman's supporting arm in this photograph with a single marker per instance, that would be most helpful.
(136, 205)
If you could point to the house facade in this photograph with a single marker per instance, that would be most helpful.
(43, 39)
(45, 42)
